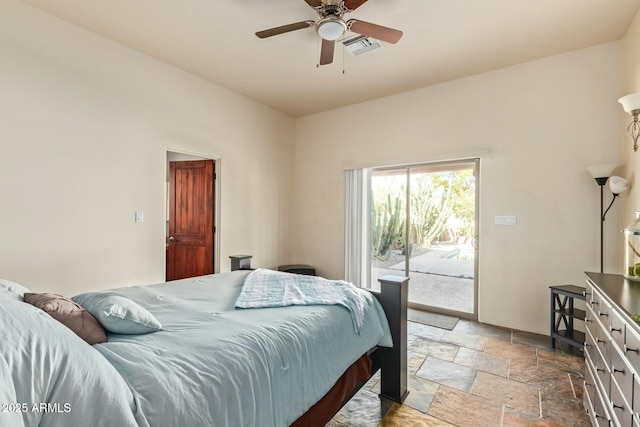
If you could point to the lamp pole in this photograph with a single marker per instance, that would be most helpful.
(601, 182)
(603, 213)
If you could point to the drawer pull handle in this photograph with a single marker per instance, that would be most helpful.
(627, 349)
(594, 302)
(599, 369)
(615, 329)
(598, 340)
(616, 406)
(616, 370)
(603, 314)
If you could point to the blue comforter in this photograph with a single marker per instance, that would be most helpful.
(50, 377)
(213, 365)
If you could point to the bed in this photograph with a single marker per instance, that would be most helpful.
(204, 361)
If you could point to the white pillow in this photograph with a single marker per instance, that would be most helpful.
(118, 314)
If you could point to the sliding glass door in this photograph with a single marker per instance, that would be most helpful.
(424, 226)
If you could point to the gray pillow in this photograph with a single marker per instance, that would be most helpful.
(69, 313)
(119, 314)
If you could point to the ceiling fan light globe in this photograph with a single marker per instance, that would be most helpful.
(331, 28)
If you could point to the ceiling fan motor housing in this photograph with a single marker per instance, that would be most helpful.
(331, 26)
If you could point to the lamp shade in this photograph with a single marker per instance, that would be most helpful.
(601, 171)
(618, 185)
(631, 102)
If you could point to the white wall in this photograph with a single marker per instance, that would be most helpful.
(85, 125)
(630, 84)
(543, 122)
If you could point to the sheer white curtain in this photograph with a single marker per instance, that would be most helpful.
(357, 226)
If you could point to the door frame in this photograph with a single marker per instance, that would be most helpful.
(442, 165)
(182, 155)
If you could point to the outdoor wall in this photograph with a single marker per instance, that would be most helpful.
(631, 159)
(85, 124)
(542, 122)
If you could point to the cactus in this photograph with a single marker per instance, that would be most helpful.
(434, 198)
(387, 226)
(431, 206)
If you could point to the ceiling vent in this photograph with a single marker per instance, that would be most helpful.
(361, 44)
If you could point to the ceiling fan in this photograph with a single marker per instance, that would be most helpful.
(331, 26)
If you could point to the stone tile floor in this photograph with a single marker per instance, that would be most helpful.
(478, 376)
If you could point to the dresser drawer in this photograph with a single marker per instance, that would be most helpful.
(594, 302)
(603, 343)
(590, 322)
(622, 375)
(603, 310)
(590, 346)
(621, 409)
(617, 330)
(602, 372)
(589, 386)
(600, 413)
(587, 402)
(636, 398)
(632, 348)
(588, 292)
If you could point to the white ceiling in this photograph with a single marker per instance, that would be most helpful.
(443, 40)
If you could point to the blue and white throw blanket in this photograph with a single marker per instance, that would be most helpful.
(267, 288)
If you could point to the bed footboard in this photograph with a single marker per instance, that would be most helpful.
(392, 362)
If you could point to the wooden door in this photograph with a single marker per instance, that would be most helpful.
(191, 214)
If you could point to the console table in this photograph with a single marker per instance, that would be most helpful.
(564, 312)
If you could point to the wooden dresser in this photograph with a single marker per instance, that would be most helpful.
(612, 351)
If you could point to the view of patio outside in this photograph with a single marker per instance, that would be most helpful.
(440, 257)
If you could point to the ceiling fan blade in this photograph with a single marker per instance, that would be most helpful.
(314, 3)
(284, 29)
(326, 51)
(379, 32)
(353, 4)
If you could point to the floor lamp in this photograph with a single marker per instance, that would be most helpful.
(602, 173)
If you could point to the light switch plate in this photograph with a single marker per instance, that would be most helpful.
(505, 220)
(139, 216)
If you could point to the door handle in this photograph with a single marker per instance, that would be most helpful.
(172, 239)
